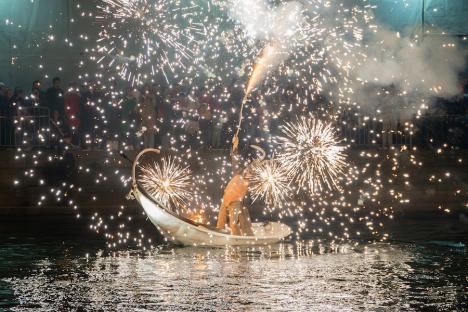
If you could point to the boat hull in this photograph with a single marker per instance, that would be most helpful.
(185, 233)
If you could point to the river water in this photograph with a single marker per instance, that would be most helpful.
(420, 269)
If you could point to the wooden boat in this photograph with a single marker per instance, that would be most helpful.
(188, 232)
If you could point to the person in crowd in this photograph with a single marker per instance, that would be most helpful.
(5, 114)
(206, 117)
(148, 116)
(178, 102)
(111, 121)
(72, 103)
(19, 104)
(220, 119)
(389, 112)
(55, 100)
(3, 100)
(39, 109)
(191, 121)
(18, 107)
(264, 121)
(91, 98)
(166, 121)
(219, 116)
(37, 95)
(205, 122)
(160, 116)
(128, 124)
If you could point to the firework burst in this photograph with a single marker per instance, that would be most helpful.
(269, 181)
(310, 154)
(143, 38)
(167, 182)
(320, 50)
(310, 44)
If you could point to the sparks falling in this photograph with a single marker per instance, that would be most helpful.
(167, 182)
(150, 41)
(309, 151)
(142, 38)
(270, 182)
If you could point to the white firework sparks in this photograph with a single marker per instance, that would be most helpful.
(314, 43)
(143, 38)
(309, 152)
(167, 182)
(321, 47)
(270, 182)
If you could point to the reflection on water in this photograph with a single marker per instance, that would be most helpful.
(285, 277)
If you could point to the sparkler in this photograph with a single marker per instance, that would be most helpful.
(308, 48)
(266, 58)
(269, 181)
(309, 152)
(167, 182)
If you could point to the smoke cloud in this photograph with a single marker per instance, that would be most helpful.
(276, 26)
(430, 66)
(416, 71)
(263, 22)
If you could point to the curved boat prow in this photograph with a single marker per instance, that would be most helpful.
(187, 232)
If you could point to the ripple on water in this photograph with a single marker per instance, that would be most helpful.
(285, 277)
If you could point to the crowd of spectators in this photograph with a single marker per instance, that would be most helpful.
(203, 117)
(150, 116)
(21, 111)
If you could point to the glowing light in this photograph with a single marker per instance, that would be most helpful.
(269, 182)
(297, 54)
(143, 38)
(167, 182)
(309, 152)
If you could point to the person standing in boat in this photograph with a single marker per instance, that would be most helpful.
(234, 194)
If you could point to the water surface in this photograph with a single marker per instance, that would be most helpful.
(44, 272)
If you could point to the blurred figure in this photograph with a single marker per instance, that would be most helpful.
(91, 98)
(178, 102)
(206, 116)
(128, 124)
(18, 106)
(40, 111)
(167, 121)
(219, 122)
(111, 126)
(161, 115)
(72, 103)
(205, 122)
(389, 111)
(37, 95)
(5, 122)
(55, 100)
(3, 99)
(217, 101)
(191, 122)
(148, 116)
(18, 100)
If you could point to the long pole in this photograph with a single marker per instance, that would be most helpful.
(241, 114)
